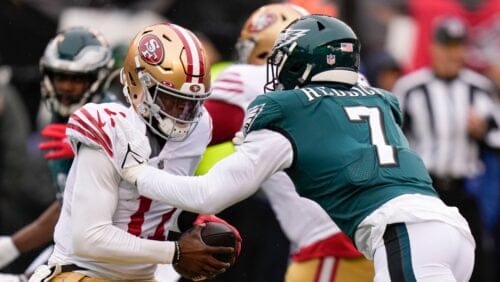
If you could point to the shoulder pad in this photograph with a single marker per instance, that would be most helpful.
(393, 102)
(262, 113)
(94, 125)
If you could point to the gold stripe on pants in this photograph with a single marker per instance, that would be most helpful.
(79, 277)
(331, 269)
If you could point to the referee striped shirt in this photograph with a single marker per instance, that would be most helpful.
(436, 114)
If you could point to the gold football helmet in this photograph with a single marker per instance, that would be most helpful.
(166, 77)
(259, 32)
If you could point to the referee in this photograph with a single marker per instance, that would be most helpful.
(448, 116)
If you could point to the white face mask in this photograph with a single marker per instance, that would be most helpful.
(244, 48)
(168, 113)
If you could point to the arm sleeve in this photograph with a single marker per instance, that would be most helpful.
(231, 180)
(94, 202)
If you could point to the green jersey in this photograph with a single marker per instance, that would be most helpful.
(350, 154)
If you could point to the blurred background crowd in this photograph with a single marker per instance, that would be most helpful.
(398, 37)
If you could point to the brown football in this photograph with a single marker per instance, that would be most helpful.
(219, 235)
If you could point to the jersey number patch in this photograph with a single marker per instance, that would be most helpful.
(386, 153)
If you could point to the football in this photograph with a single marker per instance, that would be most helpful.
(219, 235)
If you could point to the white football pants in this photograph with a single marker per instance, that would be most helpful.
(427, 251)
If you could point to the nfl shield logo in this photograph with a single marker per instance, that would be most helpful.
(330, 59)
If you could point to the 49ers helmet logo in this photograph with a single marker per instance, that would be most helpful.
(151, 49)
(262, 22)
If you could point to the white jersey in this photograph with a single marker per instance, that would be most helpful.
(303, 221)
(132, 218)
(239, 84)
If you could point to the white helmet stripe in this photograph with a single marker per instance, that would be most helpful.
(301, 11)
(201, 57)
(194, 56)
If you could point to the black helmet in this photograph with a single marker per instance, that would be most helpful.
(314, 48)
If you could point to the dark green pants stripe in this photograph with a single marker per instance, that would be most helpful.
(397, 247)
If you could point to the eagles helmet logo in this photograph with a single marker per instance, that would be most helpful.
(288, 36)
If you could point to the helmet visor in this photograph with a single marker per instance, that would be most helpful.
(180, 109)
(70, 88)
(179, 106)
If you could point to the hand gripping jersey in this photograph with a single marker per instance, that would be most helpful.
(94, 126)
(353, 158)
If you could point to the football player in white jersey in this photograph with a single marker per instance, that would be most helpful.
(318, 247)
(106, 230)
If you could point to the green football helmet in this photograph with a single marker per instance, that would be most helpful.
(314, 48)
(76, 55)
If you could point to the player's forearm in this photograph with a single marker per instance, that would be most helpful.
(231, 180)
(95, 197)
(39, 232)
(208, 194)
(111, 244)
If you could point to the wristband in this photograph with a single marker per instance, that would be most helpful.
(177, 253)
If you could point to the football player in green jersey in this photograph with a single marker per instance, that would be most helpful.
(342, 146)
(74, 68)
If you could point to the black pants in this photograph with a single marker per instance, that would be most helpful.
(452, 192)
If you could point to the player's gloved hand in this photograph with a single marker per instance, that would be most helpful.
(195, 259)
(57, 145)
(132, 146)
(238, 138)
(8, 251)
(204, 218)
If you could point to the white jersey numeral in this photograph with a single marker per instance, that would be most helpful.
(385, 152)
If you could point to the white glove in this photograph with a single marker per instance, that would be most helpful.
(132, 146)
(8, 251)
(238, 138)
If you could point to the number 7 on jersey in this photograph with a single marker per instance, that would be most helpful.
(386, 153)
